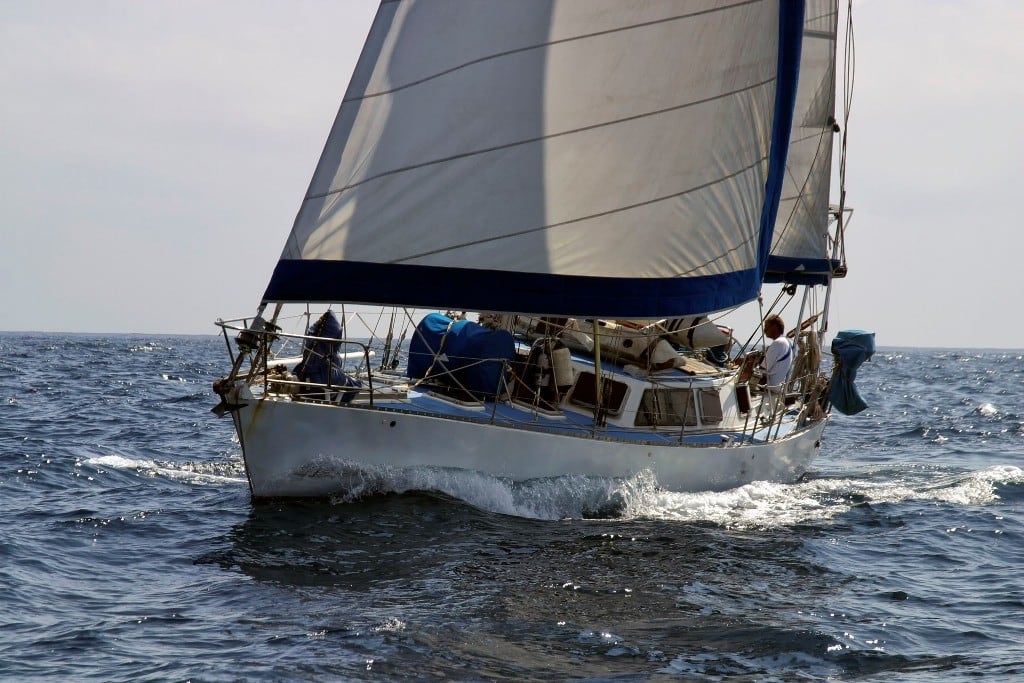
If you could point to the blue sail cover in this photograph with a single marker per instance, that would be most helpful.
(452, 350)
(322, 362)
(560, 157)
(851, 349)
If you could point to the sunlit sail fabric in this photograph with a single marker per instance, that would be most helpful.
(800, 241)
(580, 157)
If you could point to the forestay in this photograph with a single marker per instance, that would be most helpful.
(577, 157)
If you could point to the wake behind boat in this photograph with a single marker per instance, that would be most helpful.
(522, 226)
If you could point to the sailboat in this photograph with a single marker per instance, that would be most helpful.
(521, 238)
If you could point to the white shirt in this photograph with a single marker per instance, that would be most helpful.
(778, 358)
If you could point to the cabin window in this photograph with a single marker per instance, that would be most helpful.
(667, 408)
(584, 392)
(710, 406)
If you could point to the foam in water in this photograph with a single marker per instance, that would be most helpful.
(987, 409)
(552, 498)
(978, 488)
(762, 505)
(191, 472)
(390, 625)
(768, 505)
(756, 505)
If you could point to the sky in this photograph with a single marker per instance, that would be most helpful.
(153, 155)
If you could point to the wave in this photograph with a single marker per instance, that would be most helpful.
(801, 655)
(761, 505)
(570, 496)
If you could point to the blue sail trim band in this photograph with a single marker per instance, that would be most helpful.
(797, 278)
(493, 290)
(791, 26)
(800, 271)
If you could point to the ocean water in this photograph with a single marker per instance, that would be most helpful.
(129, 549)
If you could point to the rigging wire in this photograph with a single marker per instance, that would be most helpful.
(849, 68)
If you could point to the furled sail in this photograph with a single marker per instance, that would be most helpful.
(800, 246)
(613, 158)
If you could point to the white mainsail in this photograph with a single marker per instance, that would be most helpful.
(586, 157)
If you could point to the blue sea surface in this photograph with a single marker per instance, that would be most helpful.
(130, 551)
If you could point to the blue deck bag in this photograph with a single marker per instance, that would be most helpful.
(459, 347)
(322, 359)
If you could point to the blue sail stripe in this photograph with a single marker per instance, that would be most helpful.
(791, 26)
(492, 290)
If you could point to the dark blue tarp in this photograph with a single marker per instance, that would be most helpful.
(323, 359)
(459, 346)
(851, 348)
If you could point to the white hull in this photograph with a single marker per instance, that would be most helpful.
(301, 449)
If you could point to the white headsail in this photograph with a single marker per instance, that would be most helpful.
(800, 248)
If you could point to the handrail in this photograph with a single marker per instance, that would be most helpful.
(264, 335)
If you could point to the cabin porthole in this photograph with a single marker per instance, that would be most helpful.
(392, 424)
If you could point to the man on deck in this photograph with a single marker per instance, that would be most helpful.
(778, 357)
